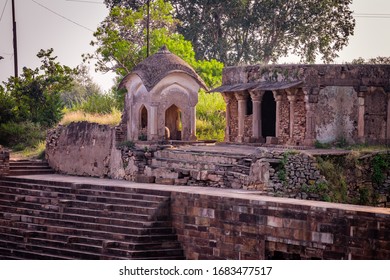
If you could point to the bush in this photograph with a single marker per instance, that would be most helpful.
(21, 135)
(97, 104)
(210, 117)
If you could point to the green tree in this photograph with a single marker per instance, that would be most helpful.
(375, 60)
(81, 89)
(35, 95)
(247, 31)
(121, 45)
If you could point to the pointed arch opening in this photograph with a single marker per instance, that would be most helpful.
(143, 123)
(173, 123)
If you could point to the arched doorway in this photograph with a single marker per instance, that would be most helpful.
(173, 122)
(143, 124)
(268, 114)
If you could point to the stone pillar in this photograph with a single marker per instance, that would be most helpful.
(361, 113)
(241, 98)
(193, 123)
(291, 96)
(311, 98)
(228, 99)
(153, 121)
(278, 99)
(257, 97)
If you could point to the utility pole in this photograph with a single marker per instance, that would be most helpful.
(15, 40)
(148, 30)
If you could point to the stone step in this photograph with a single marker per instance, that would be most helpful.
(51, 184)
(29, 167)
(52, 252)
(55, 198)
(41, 221)
(20, 172)
(22, 254)
(25, 235)
(199, 156)
(122, 235)
(28, 163)
(12, 212)
(124, 250)
(53, 191)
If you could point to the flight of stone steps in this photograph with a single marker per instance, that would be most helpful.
(29, 167)
(47, 220)
(195, 168)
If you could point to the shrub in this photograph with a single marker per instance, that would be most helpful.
(96, 104)
(21, 135)
(210, 116)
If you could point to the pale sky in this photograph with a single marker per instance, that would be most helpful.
(39, 28)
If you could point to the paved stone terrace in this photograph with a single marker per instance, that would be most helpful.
(225, 193)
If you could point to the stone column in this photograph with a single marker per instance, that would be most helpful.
(311, 98)
(228, 99)
(193, 123)
(153, 121)
(291, 96)
(241, 98)
(361, 113)
(278, 99)
(257, 97)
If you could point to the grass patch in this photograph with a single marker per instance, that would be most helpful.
(36, 152)
(112, 118)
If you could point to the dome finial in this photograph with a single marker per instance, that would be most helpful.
(163, 50)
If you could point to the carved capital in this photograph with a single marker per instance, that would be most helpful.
(278, 95)
(257, 95)
(241, 95)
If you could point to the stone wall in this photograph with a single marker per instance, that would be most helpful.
(238, 227)
(4, 161)
(80, 149)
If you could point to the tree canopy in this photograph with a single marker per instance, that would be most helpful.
(35, 95)
(249, 31)
(121, 44)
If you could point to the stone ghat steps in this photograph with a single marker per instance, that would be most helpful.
(188, 167)
(67, 187)
(45, 220)
(53, 191)
(87, 251)
(29, 167)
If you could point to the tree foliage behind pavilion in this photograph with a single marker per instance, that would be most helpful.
(247, 31)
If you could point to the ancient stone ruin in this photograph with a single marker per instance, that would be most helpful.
(162, 93)
(300, 104)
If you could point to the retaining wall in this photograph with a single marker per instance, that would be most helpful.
(4, 162)
(238, 227)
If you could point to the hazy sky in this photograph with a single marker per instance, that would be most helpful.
(38, 28)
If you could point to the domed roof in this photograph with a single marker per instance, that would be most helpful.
(156, 67)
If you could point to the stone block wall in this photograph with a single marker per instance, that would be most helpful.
(290, 172)
(80, 149)
(237, 227)
(4, 162)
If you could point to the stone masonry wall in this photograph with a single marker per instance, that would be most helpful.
(80, 149)
(299, 119)
(235, 227)
(284, 120)
(4, 162)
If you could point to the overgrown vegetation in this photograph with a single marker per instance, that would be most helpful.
(380, 165)
(31, 103)
(210, 113)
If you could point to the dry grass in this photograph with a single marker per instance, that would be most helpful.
(113, 118)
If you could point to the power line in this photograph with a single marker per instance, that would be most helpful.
(50, 10)
(2, 13)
